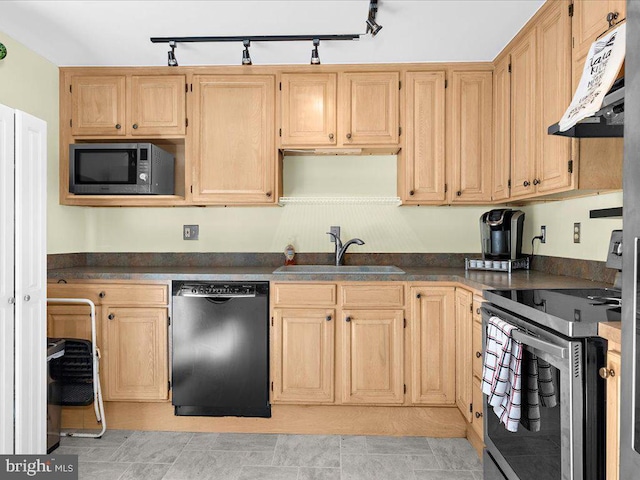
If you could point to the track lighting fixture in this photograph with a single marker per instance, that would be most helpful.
(315, 58)
(172, 61)
(373, 27)
(246, 58)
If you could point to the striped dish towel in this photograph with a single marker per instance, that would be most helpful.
(539, 391)
(502, 373)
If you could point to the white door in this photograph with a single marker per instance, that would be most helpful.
(6, 279)
(30, 284)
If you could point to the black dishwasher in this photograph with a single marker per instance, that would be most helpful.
(220, 337)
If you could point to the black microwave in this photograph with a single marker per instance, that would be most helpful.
(120, 169)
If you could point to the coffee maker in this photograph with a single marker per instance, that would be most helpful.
(501, 234)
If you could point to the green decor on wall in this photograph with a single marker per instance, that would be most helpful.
(3, 51)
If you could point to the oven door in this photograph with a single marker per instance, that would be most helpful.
(551, 448)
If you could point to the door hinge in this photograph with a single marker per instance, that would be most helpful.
(280, 132)
(168, 385)
(186, 88)
(186, 122)
(446, 187)
(571, 9)
(404, 323)
(70, 88)
(169, 320)
(272, 321)
(399, 131)
(191, 188)
(509, 183)
(471, 408)
(280, 86)
(446, 83)
(405, 388)
(71, 122)
(272, 386)
(191, 87)
(570, 166)
(400, 85)
(509, 68)
(471, 308)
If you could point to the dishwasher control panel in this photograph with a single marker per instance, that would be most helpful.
(207, 289)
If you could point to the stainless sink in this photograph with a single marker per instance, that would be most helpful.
(342, 269)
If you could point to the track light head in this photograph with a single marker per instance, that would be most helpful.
(172, 61)
(315, 58)
(246, 58)
(373, 27)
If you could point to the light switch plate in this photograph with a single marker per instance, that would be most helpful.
(190, 232)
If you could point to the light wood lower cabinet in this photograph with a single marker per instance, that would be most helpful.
(433, 345)
(303, 355)
(132, 325)
(372, 356)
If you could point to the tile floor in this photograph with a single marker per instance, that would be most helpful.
(137, 455)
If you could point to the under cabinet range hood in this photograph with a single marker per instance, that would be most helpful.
(605, 123)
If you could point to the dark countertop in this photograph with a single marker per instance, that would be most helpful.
(478, 280)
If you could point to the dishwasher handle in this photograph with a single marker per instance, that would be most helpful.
(216, 295)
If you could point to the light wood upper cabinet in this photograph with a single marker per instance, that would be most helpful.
(303, 355)
(157, 105)
(309, 109)
(424, 153)
(433, 345)
(98, 105)
(136, 364)
(372, 356)
(552, 173)
(470, 137)
(370, 108)
(501, 129)
(128, 105)
(234, 139)
(524, 134)
(464, 327)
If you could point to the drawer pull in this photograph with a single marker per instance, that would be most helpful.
(331, 136)
(135, 126)
(478, 415)
(478, 311)
(102, 294)
(478, 354)
(526, 183)
(118, 126)
(348, 136)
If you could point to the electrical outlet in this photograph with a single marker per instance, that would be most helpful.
(576, 232)
(336, 232)
(543, 234)
(190, 232)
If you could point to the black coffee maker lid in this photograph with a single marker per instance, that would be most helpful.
(495, 218)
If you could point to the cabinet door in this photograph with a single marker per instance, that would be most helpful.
(157, 105)
(303, 355)
(470, 136)
(478, 408)
(613, 415)
(372, 356)
(553, 97)
(424, 156)
(464, 325)
(72, 321)
(433, 346)
(308, 109)
(501, 129)
(233, 139)
(135, 353)
(369, 102)
(98, 105)
(523, 117)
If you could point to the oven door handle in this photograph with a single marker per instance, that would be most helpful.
(538, 344)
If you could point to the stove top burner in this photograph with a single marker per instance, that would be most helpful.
(572, 312)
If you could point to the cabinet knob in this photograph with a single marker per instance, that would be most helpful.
(418, 295)
(459, 193)
(12, 300)
(478, 311)
(328, 319)
(135, 126)
(478, 354)
(111, 316)
(27, 298)
(526, 183)
(412, 193)
(348, 136)
(536, 181)
(478, 415)
(102, 294)
(606, 373)
(611, 18)
(118, 126)
(348, 319)
(268, 194)
(331, 136)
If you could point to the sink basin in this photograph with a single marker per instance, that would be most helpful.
(342, 269)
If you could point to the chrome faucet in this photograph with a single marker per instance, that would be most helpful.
(341, 249)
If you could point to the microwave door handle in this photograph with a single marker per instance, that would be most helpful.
(538, 344)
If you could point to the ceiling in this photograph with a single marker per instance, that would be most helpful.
(108, 32)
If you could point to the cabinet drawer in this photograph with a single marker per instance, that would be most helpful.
(373, 295)
(112, 294)
(304, 294)
(477, 303)
(477, 349)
